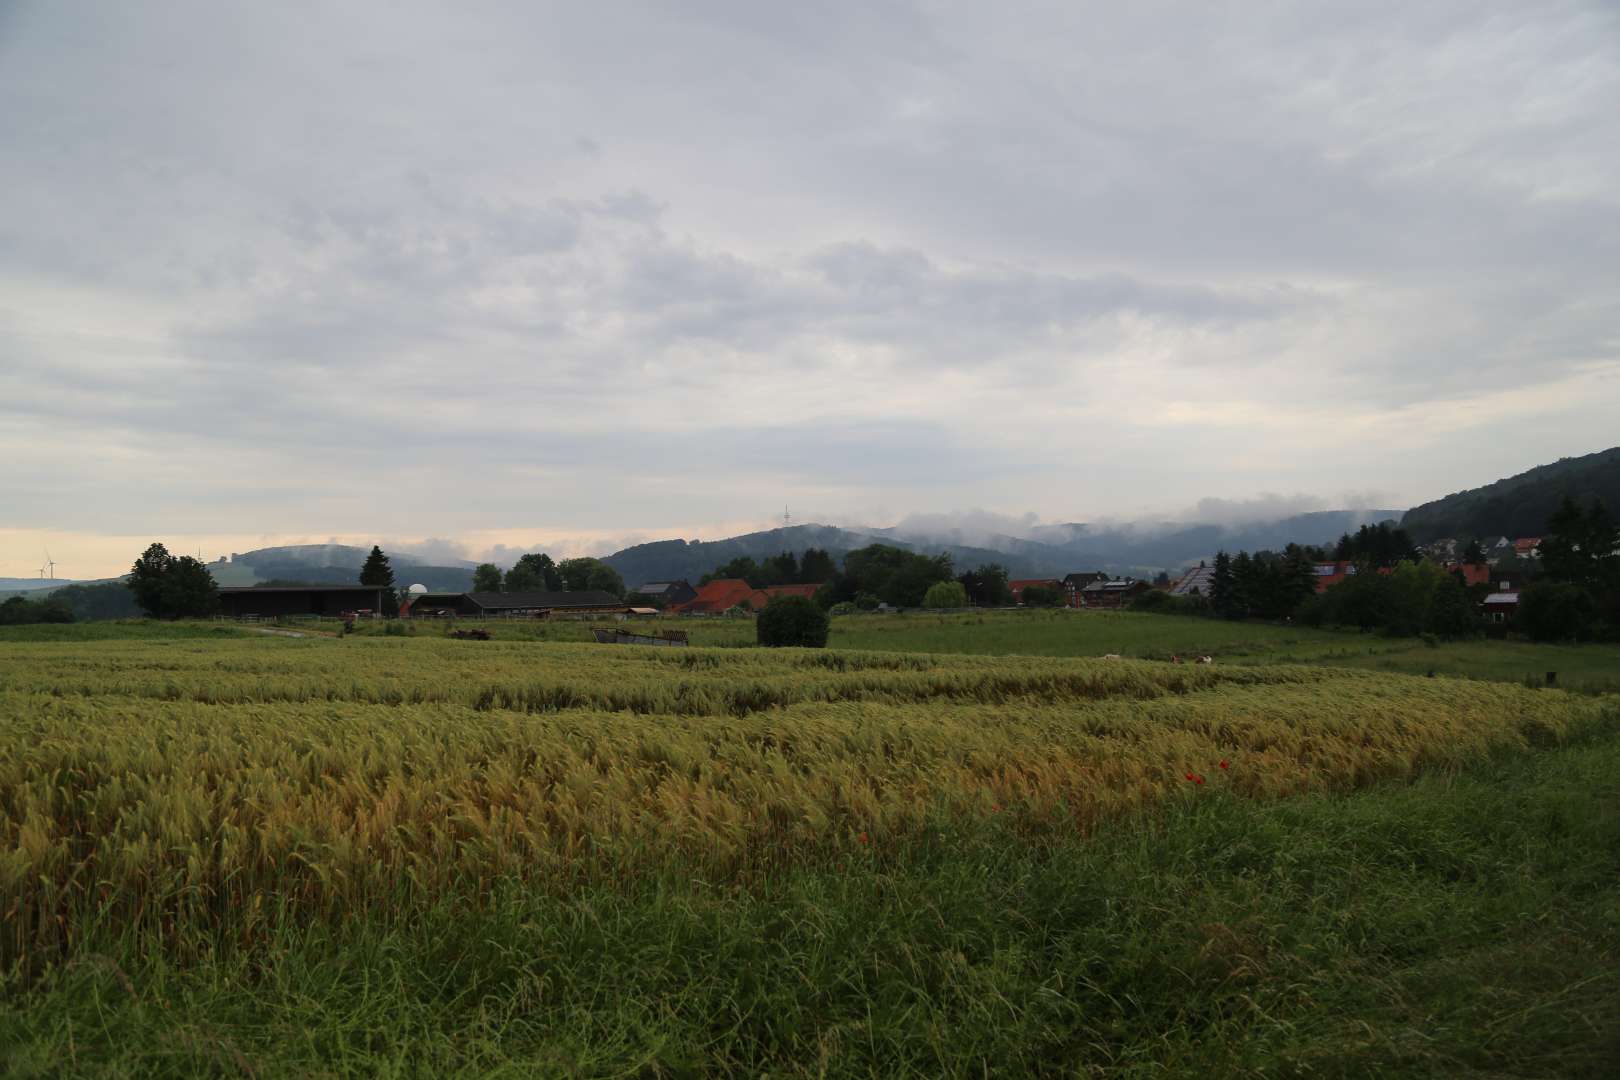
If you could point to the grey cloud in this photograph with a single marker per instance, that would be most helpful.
(884, 254)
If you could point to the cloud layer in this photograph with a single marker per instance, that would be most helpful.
(555, 271)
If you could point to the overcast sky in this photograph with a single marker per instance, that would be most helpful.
(573, 274)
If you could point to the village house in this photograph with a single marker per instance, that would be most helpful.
(1199, 581)
(718, 596)
(1527, 547)
(1502, 605)
(1442, 550)
(1112, 594)
(1331, 573)
(668, 593)
(1073, 583)
(1472, 573)
(723, 594)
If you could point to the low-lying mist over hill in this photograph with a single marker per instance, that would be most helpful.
(1025, 545)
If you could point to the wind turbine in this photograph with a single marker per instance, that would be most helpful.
(51, 566)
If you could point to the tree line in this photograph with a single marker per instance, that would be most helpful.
(536, 572)
(813, 567)
(1572, 592)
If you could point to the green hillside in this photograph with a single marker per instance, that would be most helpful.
(1519, 505)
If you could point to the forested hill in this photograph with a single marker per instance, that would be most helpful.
(1520, 505)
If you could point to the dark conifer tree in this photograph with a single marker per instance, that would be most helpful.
(1221, 587)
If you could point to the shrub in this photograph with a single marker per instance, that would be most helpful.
(846, 607)
(792, 620)
(867, 602)
(946, 594)
(1154, 600)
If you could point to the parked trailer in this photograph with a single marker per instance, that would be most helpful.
(613, 635)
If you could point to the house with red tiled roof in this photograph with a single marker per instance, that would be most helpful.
(1527, 547)
(1330, 574)
(1472, 573)
(721, 595)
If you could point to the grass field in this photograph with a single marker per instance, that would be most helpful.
(226, 853)
(1064, 633)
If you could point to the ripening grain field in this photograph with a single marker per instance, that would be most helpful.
(200, 804)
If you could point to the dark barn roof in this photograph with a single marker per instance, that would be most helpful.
(279, 600)
(249, 590)
(555, 601)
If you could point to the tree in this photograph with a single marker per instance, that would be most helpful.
(1452, 614)
(171, 588)
(780, 569)
(1473, 554)
(743, 568)
(377, 570)
(792, 621)
(534, 572)
(1411, 591)
(1381, 544)
(487, 578)
(1222, 589)
(109, 600)
(893, 575)
(146, 578)
(945, 594)
(1580, 545)
(1556, 611)
(816, 566)
(1247, 586)
(192, 593)
(378, 573)
(1298, 577)
(1042, 596)
(987, 585)
(20, 611)
(580, 575)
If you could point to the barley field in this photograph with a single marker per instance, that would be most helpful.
(217, 799)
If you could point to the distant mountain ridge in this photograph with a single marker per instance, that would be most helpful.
(31, 584)
(1518, 505)
(1140, 550)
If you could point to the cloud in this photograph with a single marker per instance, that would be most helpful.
(561, 273)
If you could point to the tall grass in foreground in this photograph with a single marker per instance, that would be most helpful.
(196, 794)
(1462, 925)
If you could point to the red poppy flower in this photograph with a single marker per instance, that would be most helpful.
(863, 838)
(1198, 779)
(1223, 763)
(995, 808)
(1190, 776)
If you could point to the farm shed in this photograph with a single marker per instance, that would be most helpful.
(283, 601)
(536, 604)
